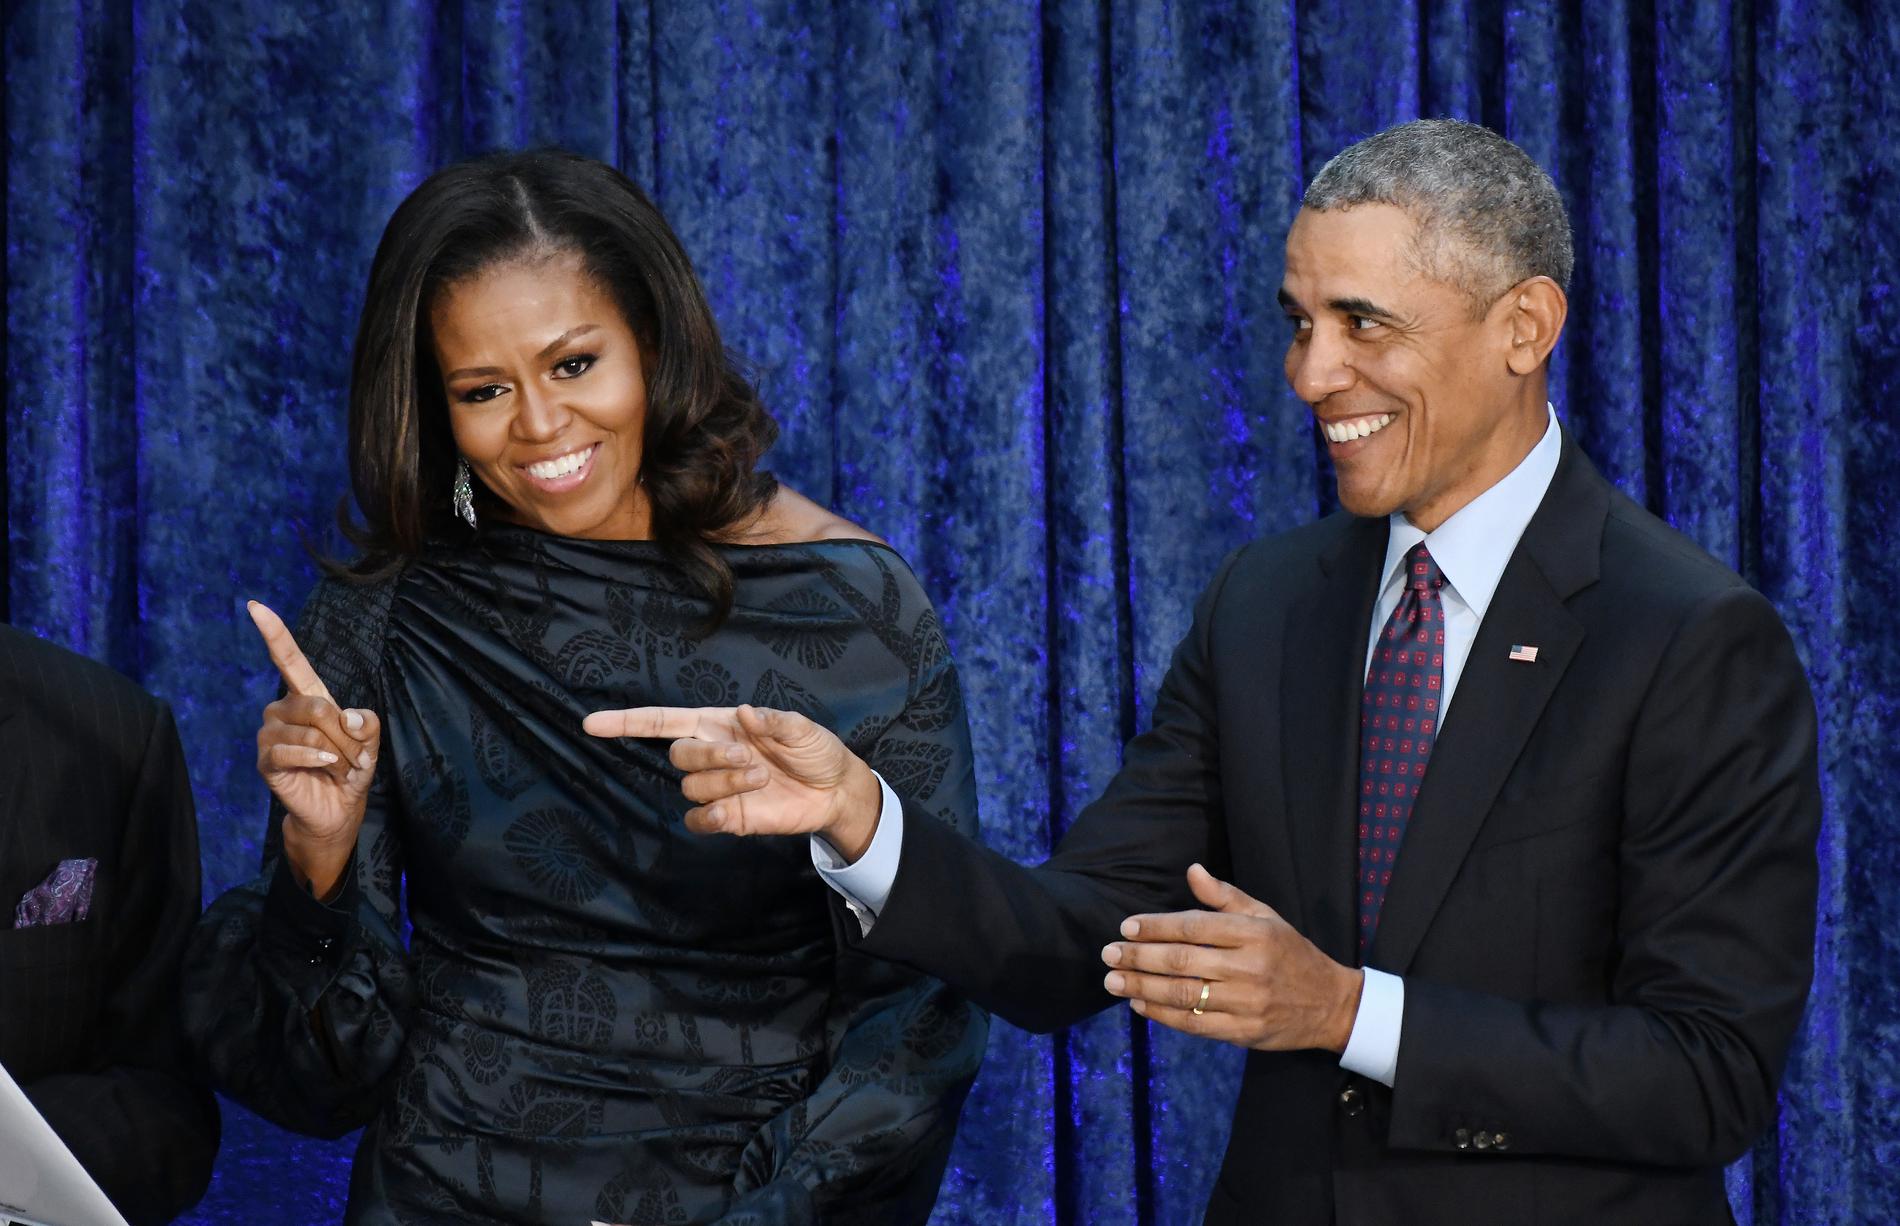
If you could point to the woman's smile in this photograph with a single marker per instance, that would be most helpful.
(561, 473)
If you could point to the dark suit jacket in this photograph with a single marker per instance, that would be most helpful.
(1603, 908)
(89, 1021)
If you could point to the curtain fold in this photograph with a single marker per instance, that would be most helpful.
(1006, 273)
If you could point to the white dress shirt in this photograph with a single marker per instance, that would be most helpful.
(1471, 549)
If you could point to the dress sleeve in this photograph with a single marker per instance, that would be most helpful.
(296, 1006)
(870, 1143)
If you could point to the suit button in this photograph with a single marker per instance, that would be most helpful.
(1351, 1101)
(1462, 1138)
(1482, 1139)
(1501, 1140)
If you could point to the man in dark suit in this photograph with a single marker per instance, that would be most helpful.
(99, 881)
(1541, 963)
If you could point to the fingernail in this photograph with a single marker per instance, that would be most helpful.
(362, 759)
(353, 721)
(325, 756)
(716, 817)
(1139, 1006)
(755, 776)
(1131, 928)
(735, 753)
(1112, 954)
(1115, 981)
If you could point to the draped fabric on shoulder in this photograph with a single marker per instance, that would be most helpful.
(599, 1014)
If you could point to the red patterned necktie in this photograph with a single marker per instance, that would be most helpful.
(1398, 721)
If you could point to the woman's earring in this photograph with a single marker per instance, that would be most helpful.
(464, 493)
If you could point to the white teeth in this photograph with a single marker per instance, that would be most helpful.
(1346, 431)
(561, 466)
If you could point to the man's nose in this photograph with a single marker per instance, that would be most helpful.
(1317, 366)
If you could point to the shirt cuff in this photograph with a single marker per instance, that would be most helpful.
(866, 885)
(1372, 1051)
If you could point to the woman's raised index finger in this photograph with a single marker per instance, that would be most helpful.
(286, 655)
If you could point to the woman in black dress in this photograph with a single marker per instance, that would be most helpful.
(596, 1014)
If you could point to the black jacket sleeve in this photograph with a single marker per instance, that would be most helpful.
(1024, 942)
(1721, 809)
(138, 1122)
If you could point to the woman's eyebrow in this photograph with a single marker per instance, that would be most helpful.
(572, 334)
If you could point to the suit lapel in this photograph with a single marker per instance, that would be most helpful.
(1323, 672)
(1498, 702)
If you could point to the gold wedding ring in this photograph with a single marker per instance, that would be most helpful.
(1201, 1004)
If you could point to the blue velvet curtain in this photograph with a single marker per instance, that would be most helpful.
(1006, 271)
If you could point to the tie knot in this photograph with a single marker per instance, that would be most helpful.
(1421, 572)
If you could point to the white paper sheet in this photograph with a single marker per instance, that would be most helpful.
(41, 1183)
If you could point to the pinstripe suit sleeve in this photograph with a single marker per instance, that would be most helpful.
(96, 1039)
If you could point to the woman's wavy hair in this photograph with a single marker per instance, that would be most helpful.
(705, 430)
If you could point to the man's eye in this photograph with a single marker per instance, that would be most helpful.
(568, 368)
(1300, 324)
(487, 391)
(1361, 323)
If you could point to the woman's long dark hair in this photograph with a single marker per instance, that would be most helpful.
(705, 426)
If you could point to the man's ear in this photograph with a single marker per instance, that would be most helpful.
(1534, 310)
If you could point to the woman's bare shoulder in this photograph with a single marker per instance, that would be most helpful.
(793, 519)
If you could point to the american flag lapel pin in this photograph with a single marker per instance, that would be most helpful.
(1523, 654)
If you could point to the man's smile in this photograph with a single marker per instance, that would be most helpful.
(1348, 429)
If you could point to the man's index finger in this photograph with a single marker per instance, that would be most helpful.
(662, 723)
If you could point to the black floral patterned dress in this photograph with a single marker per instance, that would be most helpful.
(598, 1014)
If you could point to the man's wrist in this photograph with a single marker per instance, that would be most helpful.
(866, 884)
(854, 821)
(1352, 988)
(1372, 1050)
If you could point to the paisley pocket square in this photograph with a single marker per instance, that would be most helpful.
(65, 897)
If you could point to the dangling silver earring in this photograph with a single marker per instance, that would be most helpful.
(464, 493)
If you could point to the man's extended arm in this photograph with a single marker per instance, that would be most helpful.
(1022, 942)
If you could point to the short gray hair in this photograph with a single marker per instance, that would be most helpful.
(1463, 183)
